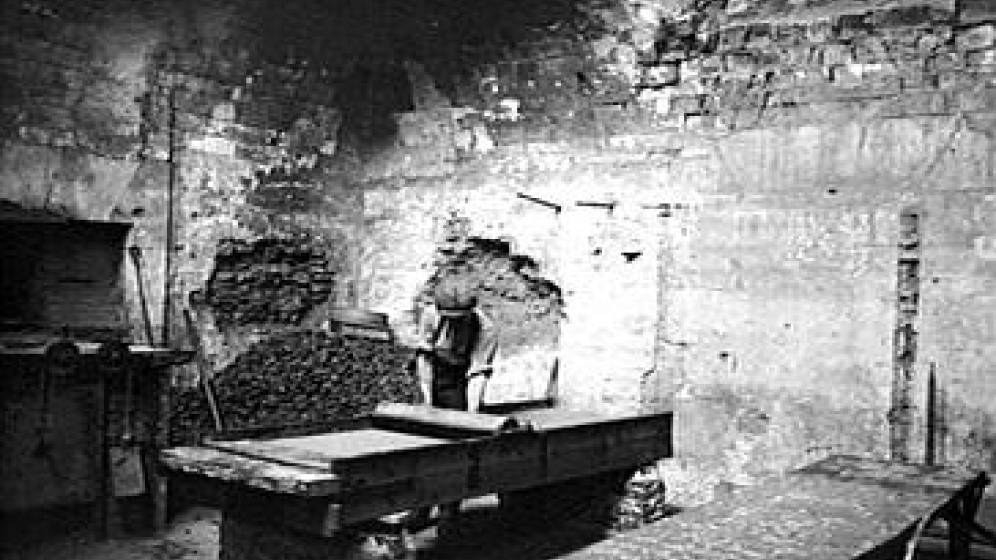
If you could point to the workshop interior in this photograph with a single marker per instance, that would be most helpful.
(488, 279)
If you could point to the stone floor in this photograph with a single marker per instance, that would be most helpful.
(482, 535)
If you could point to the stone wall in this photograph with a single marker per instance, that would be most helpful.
(759, 166)
(715, 187)
(120, 112)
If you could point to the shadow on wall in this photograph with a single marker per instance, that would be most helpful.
(450, 37)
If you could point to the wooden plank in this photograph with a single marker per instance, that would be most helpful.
(326, 515)
(556, 419)
(417, 418)
(902, 475)
(322, 450)
(229, 468)
(364, 457)
(840, 508)
(310, 515)
(382, 468)
(371, 502)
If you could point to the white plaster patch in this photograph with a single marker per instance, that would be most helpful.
(509, 109)
(213, 145)
(985, 247)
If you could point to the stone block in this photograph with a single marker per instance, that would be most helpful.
(759, 35)
(975, 38)
(662, 75)
(739, 63)
(906, 16)
(977, 10)
(845, 75)
(700, 122)
(952, 80)
(798, 55)
(732, 38)
(984, 57)
(820, 32)
(836, 53)
(927, 43)
(924, 103)
(687, 104)
(984, 100)
(944, 62)
(911, 78)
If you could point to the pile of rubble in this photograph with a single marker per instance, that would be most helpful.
(642, 501)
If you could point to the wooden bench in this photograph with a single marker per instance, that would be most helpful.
(312, 497)
(841, 507)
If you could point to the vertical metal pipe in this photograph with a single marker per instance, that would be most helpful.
(168, 257)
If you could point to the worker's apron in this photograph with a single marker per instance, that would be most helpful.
(449, 384)
(453, 342)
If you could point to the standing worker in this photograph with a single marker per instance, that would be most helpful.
(456, 347)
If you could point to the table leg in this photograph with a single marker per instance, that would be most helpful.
(100, 511)
(958, 539)
(159, 478)
(961, 519)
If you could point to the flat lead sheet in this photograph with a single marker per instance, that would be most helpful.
(323, 449)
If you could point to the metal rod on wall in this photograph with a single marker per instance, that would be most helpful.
(930, 454)
(168, 257)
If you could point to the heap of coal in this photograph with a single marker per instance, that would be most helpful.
(298, 381)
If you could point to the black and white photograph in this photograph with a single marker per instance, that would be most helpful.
(497, 279)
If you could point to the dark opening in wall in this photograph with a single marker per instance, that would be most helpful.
(60, 275)
(369, 98)
(526, 307)
(269, 281)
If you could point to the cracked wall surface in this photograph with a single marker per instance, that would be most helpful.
(715, 187)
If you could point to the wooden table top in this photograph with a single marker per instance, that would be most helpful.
(841, 507)
(322, 450)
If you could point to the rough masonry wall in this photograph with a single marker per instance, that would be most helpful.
(111, 107)
(714, 186)
(268, 281)
(761, 166)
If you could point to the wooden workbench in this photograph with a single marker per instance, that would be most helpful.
(308, 492)
(838, 508)
(76, 472)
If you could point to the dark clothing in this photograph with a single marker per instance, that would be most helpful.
(455, 339)
(466, 341)
(449, 385)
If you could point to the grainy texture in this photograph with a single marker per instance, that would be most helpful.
(842, 508)
(760, 153)
(527, 307)
(326, 448)
(298, 379)
(265, 475)
(268, 281)
(253, 538)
